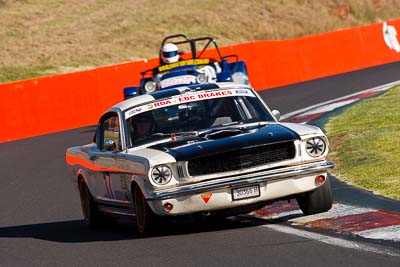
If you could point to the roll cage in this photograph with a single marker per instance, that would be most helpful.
(179, 39)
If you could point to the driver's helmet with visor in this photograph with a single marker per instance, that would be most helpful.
(169, 53)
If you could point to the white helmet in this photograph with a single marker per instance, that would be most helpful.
(169, 53)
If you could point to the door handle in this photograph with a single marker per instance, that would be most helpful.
(93, 157)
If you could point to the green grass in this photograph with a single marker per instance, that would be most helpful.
(20, 73)
(365, 144)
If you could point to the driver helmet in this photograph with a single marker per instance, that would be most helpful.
(169, 53)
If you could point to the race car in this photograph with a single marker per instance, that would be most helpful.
(178, 68)
(198, 150)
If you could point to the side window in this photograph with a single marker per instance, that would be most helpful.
(110, 128)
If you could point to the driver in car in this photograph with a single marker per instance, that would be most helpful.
(143, 125)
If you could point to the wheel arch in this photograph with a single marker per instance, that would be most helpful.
(81, 176)
(141, 184)
(138, 182)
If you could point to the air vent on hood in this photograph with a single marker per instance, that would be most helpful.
(223, 134)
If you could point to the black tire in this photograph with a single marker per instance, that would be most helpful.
(93, 218)
(317, 201)
(146, 219)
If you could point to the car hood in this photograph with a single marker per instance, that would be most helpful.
(226, 140)
(303, 130)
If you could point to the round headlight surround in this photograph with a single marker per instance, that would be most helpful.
(161, 174)
(202, 78)
(315, 146)
(150, 86)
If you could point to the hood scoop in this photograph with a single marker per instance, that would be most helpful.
(222, 134)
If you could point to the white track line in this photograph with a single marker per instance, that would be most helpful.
(391, 233)
(330, 240)
(377, 88)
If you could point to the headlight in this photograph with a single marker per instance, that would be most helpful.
(315, 146)
(202, 78)
(161, 174)
(150, 86)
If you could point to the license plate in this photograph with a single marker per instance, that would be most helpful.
(246, 192)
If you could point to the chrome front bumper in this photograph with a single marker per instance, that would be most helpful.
(242, 180)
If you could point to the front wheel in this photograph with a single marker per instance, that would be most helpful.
(146, 219)
(93, 218)
(317, 201)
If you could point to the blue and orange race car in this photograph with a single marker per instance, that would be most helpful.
(180, 68)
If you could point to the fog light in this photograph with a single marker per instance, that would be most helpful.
(168, 207)
(319, 179)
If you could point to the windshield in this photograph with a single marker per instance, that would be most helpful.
(194, 113)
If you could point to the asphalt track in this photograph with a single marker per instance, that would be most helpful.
(41, 222)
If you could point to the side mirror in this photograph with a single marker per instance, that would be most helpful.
(109, 145)
(276, 114)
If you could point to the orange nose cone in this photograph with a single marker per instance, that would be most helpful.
(320, 179)
(168, 207)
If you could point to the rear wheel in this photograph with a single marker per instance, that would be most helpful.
(93, 218)
(146, 219)
(317, 201)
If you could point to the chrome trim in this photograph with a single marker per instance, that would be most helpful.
(116, 211)
(112, 202)
(278, 175)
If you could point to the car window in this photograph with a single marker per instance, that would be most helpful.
(165, 117)
(111, 131)
(199, 115)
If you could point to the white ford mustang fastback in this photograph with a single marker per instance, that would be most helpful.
(204, 149)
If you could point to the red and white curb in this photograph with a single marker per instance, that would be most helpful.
(313, 112)
(344, 219)
(357, 221)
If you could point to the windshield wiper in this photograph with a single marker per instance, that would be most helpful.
(193, 133)
(173, 136)
(234, 126)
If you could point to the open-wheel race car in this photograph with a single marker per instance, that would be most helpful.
(197, 66)
(211, 149)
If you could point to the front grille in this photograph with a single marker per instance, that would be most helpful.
(181, 173)
(242, 159)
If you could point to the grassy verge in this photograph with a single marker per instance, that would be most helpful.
(365, 144)
(8, 74)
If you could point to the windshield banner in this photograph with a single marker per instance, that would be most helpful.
(179, 99)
